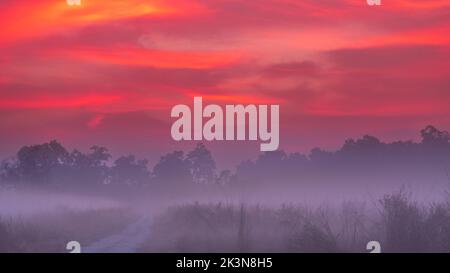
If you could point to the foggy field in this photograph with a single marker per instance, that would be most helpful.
(157, 223)
(24, 202)
(397, 222)
(325, 201)
(37, 222)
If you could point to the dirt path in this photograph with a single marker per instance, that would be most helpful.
(126, 241)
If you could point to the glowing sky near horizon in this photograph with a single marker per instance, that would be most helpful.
(108, 72)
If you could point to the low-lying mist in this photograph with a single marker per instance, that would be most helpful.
(394, 193)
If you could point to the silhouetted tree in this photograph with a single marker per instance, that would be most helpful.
(366, 145)
(91, 167)
(130, 171)
(358, 160)
(9, 170)
(432, 136)
(36, 162)
(98, 156)
(320, 156)
(268, 167)
(202, 164)
(226, 178)
(246, 171)
(172, 168)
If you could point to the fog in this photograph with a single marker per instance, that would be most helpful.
(327, 201)
(25, 203)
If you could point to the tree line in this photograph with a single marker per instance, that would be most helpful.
(52, 164)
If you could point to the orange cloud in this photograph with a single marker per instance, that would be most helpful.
(34, 18)
(44, 103)
(152, 58)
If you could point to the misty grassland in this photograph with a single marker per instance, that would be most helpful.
(48, 225)
(397, 222)
(394, 193)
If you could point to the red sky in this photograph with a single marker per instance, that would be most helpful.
(108, 72)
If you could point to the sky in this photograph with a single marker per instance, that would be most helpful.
(109, 72)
